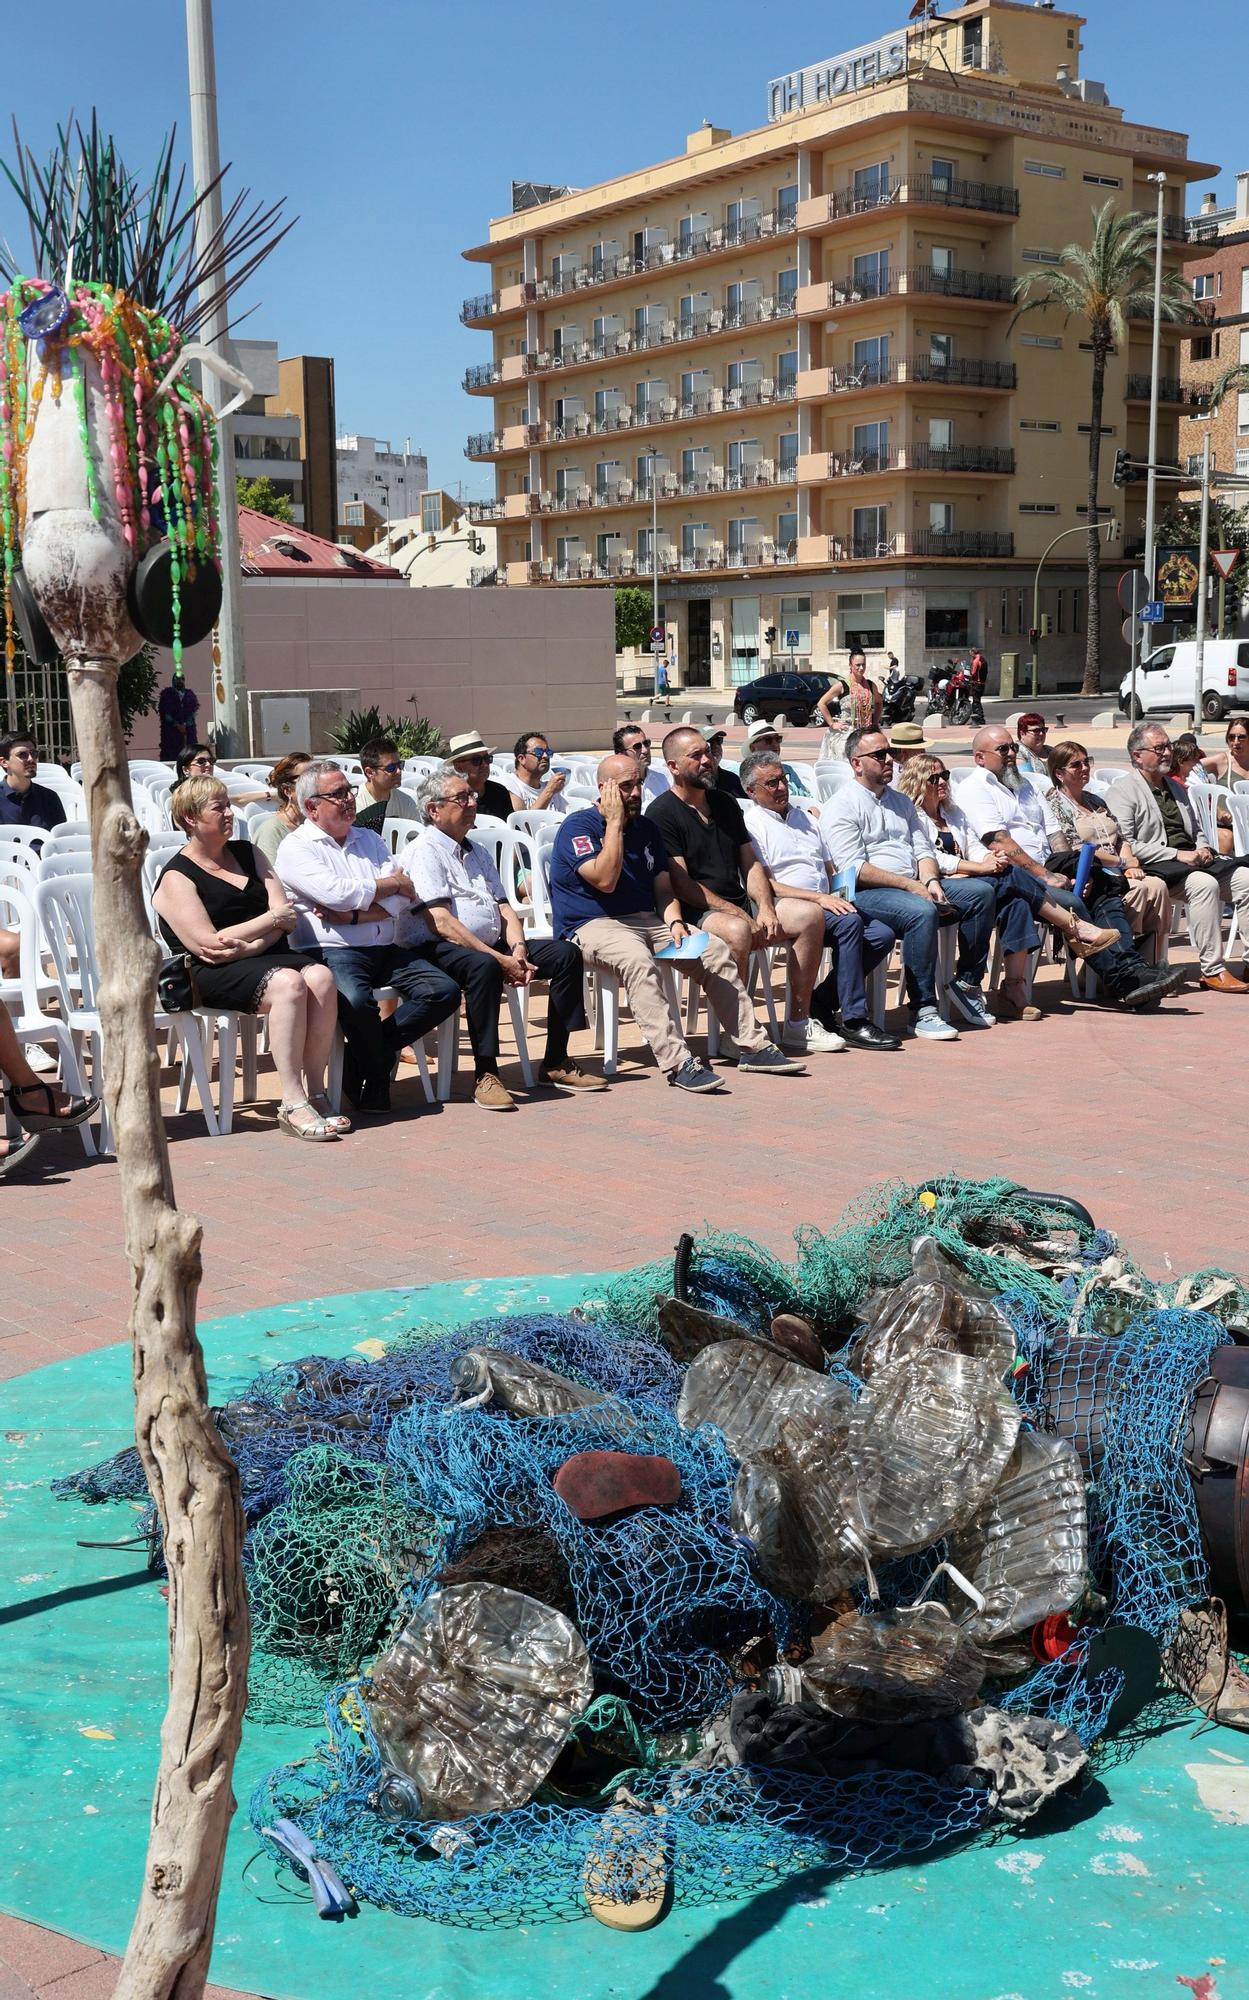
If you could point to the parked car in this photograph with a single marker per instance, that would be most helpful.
(1167, 679)
(792, 695)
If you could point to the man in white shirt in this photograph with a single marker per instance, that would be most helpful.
(1011, 814)
(631, 741)
(534, 786)
(791, 846)
(877, 831)
(481, 942)
(348, 892)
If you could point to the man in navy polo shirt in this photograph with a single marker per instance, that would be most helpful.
(611, 893)
(22, 801)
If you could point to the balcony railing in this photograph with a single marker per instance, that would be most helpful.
(483, 443)
(714, 481)
(661, 256)
(1170, 390)
(486, 574)
(933, 189)
(485, 510)
(1190, 229)
(480, 306)
(988, 285)
(483, 375)
(669, 561)
(953, 374)
(973, 543)
(922, 458)
(669, 333)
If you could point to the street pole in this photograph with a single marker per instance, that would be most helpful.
(1136, 643)
(231, 725)
(1203, 563)
(1151, 489)
(1111, 526)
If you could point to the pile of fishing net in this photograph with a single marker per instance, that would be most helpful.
(748, 1569)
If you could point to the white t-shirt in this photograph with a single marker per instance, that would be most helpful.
(989, 806)
(655, 784)
(444, 872)
(790, 846)
(886, 831)
(530, 794)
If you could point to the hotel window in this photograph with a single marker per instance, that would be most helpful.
(944, 174)
(1202, 347)
(650, 465)
(564, 267)
(603, 258)
(353, 514)
(871, 538)
(696, 387)
(787, 371)
(941, 258)
(787, 204)
(1040, 340)
(787, 533)
(871, 185)
(695, 536)
(606, 404)
(787, 454)
(871, 359)
(1035, 256)
(696, 464)
(1038, 507)
(861, 613)
(796, 618)
(1049, 168)
(695, 307)
(693, 233)
(871, 274)
(1207, 284)
(1103, 181)
(744, 375)
(1041, 424)
(741, 220)
(608, 473)
(1242, 411)
(1004, 624)
(941, 517)
(1241, 466)
(742, 299)
(744, 535)
(647, 396)
(1244, 289)
(567, 551)
(870, 448)
(648, 323)
(973, 43)
(645, 547)
(431, 512)
(946, 627)
(787, 287)
(607, 547)
(743, 453)
(647, 244)
(941, 433)
(569, 481)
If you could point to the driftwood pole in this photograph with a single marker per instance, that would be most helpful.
(192, 1478)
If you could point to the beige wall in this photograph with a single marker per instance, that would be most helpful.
(496, 660)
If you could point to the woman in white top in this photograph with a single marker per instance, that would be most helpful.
(1021, 898)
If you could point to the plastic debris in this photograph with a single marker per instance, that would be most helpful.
(938, 1307)
(929, 1439)
(748, 1389)
(1026, 1551)
(490, 1375)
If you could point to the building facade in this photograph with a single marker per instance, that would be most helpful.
(783, 369)
(1220, 280)
(377, 484)
(285, 431)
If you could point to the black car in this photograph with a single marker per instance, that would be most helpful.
(792, 695)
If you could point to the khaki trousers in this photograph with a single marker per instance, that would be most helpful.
(627, 947)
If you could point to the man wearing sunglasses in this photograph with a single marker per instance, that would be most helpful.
(536, 787)
(379, 797)
(630, 741)
(348, 892)
(468, 755)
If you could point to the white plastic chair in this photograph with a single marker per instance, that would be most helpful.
(72, 833)
(26, 998)
(1105, 775)
(1207, 801)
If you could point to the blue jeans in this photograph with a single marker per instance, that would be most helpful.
(428, 995)
(858, 948)
(915, 919)
(1118, 968)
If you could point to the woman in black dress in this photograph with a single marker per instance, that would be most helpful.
(219, 901)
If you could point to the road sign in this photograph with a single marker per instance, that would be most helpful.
(791, 641)
(1127, 630)
(1123, 590)
(1225, 560)
(1154, 612)
(657, 635)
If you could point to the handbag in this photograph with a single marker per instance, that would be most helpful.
(173, 984)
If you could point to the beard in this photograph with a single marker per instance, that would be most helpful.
(1012, 778)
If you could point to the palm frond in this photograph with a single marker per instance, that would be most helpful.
(1235, 377)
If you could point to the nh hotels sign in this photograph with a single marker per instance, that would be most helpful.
(823, 82)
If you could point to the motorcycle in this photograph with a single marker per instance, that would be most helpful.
(960, 697)
(899, 696)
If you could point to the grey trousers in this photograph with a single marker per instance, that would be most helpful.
(627, 947)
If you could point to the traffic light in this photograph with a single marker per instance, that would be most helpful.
(476, 545)
(1046, 625)
(1034, 633)
(770, 634)
(1125, 472)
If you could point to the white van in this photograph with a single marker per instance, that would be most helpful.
(1166, 680)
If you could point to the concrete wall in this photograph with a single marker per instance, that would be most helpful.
(496, 660)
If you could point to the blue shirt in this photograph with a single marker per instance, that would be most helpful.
(38, 805)
(573, 901)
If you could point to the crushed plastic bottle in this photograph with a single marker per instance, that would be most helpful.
(473, 1700)
(686, 1330)
(1026, 1550)
(523, 1388)
(894, 1666)
(929, 1439)
(937, 1307)
(749, 1388)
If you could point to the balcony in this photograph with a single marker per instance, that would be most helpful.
(715, 482)
(921, 370)
(484, 444)
(670, 333)
(926, 191)
(670, 410)
(485, 510)
(724, 238)
(959, 458)
(486, 575)
(1194, 229)
(970, 545)
(1170, 390)
(986, 286)
(710, 559)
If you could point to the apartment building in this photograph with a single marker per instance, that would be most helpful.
(285, 431)
(1220, 280)
(376, 483)
(781, 369)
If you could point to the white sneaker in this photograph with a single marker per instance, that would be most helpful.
(40, 1061)
(928, 1026)
(810, 1038)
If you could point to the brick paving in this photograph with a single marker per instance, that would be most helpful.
(1129, 1114)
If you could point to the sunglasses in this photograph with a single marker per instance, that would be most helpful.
(877, 756)
(457, 799)
(340, 797)
(939, 778)
(390, 767)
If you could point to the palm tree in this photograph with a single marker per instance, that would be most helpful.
(1106, 284)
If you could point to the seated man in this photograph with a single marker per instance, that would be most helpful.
(348, 893)
(481, 942)
(792, 848)
(1156, 815)
(609, 876)
(1010, 814)
(725, 780)
(871, 827)
(469, 756)
(632, 741)
(22, 801)
(536, 787)
(717, 876)
(379, 797)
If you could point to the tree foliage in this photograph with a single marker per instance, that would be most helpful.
(262, 496)
(634, 608)
(413, 735)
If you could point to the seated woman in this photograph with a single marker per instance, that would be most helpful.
(1021, 898)
(270, 833)
(39, 1107)
(1188, 758)
(220, 902)
(1231, 767)
(196, 760)
(1083, 815)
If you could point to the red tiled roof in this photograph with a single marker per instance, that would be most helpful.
(273, 548)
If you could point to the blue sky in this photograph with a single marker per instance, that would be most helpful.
(394, 128)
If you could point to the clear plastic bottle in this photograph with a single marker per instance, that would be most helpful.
(523, 1388)
(929, 1439)
(473, 1700)
(892, 1666)
(1026, 1550)
(749, 1388)
(938, 1306)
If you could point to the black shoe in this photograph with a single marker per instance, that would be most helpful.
(694, 1075)
(1153, 986)
(866, 1035)
(373, 1100)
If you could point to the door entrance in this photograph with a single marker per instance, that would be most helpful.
(698, 644)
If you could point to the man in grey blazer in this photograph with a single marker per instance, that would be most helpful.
(1155, 813)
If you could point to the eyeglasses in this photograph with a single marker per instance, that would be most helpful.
(1034, 729)
(390, 767)
(456, 799)
(877, 756)
(773, 784)
(539, 750)
(26, 756)
(341, 797)
(1241, 737)
(1157, 749)
(202, 764)
(939, 778)
(478, 757)
(643, 743)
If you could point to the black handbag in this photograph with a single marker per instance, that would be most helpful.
(173, 984)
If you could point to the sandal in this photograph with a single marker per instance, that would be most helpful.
(315, 1134)
(19, 1153)
(77, 1110)
(1079, 947)
(1013, 1007)
(336, 1120)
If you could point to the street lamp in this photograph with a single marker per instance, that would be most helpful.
(1151, 490)
(1112, 535)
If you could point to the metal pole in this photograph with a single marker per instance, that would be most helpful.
(231, 725)
(1062, 534)
(1203, 563)
(1136, 644)
(1151, 489)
